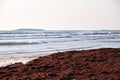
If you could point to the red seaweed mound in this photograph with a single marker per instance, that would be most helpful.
(95, 64)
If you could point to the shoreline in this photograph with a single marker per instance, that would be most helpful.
(16, 58)
(24, 58)
(102, 63)
(13, 58)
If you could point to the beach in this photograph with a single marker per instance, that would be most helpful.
(23, 45)
(24, 58)
(11, 59)
(28, 54)
(59, 40)
(93, 64)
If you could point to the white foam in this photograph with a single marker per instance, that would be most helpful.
(14, 58)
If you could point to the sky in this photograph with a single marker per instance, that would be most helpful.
(60, 14)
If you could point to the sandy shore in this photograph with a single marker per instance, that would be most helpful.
(11, 59)
(95, 64)
(14, 58)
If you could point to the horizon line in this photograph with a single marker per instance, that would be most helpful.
(53, 29)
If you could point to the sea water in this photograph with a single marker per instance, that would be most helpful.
(44, 41)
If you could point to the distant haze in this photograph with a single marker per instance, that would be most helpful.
(60, 14)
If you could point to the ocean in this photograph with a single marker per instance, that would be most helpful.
(25, 41)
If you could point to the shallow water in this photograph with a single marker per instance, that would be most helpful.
(20, 42)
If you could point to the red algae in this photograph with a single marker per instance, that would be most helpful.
(95, 64)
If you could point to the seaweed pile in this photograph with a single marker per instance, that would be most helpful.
(95, 64)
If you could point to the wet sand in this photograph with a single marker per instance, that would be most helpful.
(94, 64)
(13, 58)
(24, 58)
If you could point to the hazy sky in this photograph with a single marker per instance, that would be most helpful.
(60, 14)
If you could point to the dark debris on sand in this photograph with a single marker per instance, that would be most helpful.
(95, 64)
